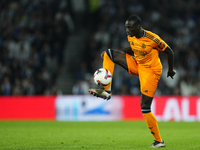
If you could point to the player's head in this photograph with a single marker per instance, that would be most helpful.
(133, 25)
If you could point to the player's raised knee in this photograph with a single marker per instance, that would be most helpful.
(110, 54)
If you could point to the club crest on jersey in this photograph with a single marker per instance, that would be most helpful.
(132, 43)
(161, 45)
(143, 45)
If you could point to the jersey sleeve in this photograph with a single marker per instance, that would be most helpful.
(160, 44)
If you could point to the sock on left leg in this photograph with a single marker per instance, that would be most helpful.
(152, 125)
(108, 64)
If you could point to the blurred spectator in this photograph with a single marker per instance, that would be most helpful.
(187, 86)
(80, 88)
(101, 36)
(64, 15)
(6, 86)
(53, 90)
(18, 89)
(79, 11)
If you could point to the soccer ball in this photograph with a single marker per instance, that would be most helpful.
(102, 77)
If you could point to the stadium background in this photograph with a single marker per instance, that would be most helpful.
(51, 48)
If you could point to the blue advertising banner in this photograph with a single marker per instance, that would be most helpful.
(88, 108)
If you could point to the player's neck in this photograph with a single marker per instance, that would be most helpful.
(140, 33)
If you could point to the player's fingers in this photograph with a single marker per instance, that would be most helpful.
(102, 54)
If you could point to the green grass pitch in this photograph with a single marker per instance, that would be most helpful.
(117, 135)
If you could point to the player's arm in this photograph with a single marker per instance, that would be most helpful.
(170, 57)
(127, 50)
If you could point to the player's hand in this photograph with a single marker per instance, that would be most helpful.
(171, 73)
(102, 54)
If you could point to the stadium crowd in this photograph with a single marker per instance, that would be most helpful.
(33, 36)
(176, 22)
(32, 39)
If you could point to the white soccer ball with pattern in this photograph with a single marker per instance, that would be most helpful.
(102, 77)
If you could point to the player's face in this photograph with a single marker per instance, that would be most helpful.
(131, 28)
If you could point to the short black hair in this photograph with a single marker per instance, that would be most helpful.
(135, 19)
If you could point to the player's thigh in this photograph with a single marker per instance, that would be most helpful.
(132, 65)
(149, 81)
(120, 58)
(126, 61)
